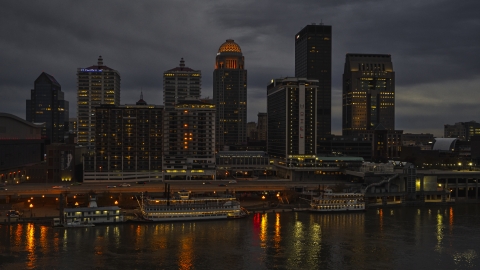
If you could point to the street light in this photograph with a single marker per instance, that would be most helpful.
(31, 208)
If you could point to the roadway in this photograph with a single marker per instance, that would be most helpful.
(155, 187)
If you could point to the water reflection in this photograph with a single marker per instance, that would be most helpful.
(400, 238)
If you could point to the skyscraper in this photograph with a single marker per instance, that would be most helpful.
(313, 60)
(96, 85)
(291, 110)
(179, 83)
(368, 93)
(47, 104)
(128, 143)
(189, 141)
(230, 96)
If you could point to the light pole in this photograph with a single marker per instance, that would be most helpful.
(31, 209)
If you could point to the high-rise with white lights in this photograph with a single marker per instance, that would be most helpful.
(96, 85)
(179, 83)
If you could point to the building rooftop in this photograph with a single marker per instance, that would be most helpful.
(229, 46)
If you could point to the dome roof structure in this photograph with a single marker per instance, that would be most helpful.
(229, 46)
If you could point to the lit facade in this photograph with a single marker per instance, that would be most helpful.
(189, 141)
(96, 85)
(230, 96)
(128, 143)
(179, 83)
(291, 110)
(368, 93)
(47, 105)
(313, 60)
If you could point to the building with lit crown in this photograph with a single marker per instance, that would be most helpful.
(47, 105)
(179, 83)
(368, 93)
(128, 143)
(230, 96)
(189, 141)
(313, 60)
(96, 85)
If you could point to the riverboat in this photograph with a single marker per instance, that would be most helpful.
(328, 201)
(184, 207)
(93, 213)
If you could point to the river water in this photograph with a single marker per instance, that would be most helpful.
(427, 237)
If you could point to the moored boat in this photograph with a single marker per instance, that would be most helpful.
(184, 207)
(328, 201)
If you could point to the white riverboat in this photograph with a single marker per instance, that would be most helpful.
(328, 201)
(93, 214)
(186, 208)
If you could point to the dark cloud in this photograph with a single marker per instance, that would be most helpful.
(434, 47)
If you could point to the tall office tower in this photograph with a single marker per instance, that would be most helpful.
(128, 143)
(96, 85)
(179, 83)
(313, 60)
(47, 104)
(368, 93)
(230, 96)
(291, 110)
(262, 126)
(189, 141)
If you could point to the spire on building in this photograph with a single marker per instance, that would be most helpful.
(141, 101)
(182, 63)
(100, 61)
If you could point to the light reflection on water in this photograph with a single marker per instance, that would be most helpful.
(400, 238)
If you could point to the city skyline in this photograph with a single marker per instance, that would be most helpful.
(431, 43)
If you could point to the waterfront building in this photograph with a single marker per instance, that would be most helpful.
(244, 165)
(179, 83)
(368, 93)
(21, 146)
(462, 130)
(189, 141)
(262, 126)
(61, 162)
(128, 143)
(353, 146)
(47, 105)
(423, 140)
(230, 96)
(97, 84)
(386, 144)
(313, 60)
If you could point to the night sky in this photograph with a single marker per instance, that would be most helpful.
(435, 48)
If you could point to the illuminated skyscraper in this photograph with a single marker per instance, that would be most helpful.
(230, 96)
(97, 85)
(47, 105)
(179, 83)
(313, 60)
(291, 118)
(368, 93)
